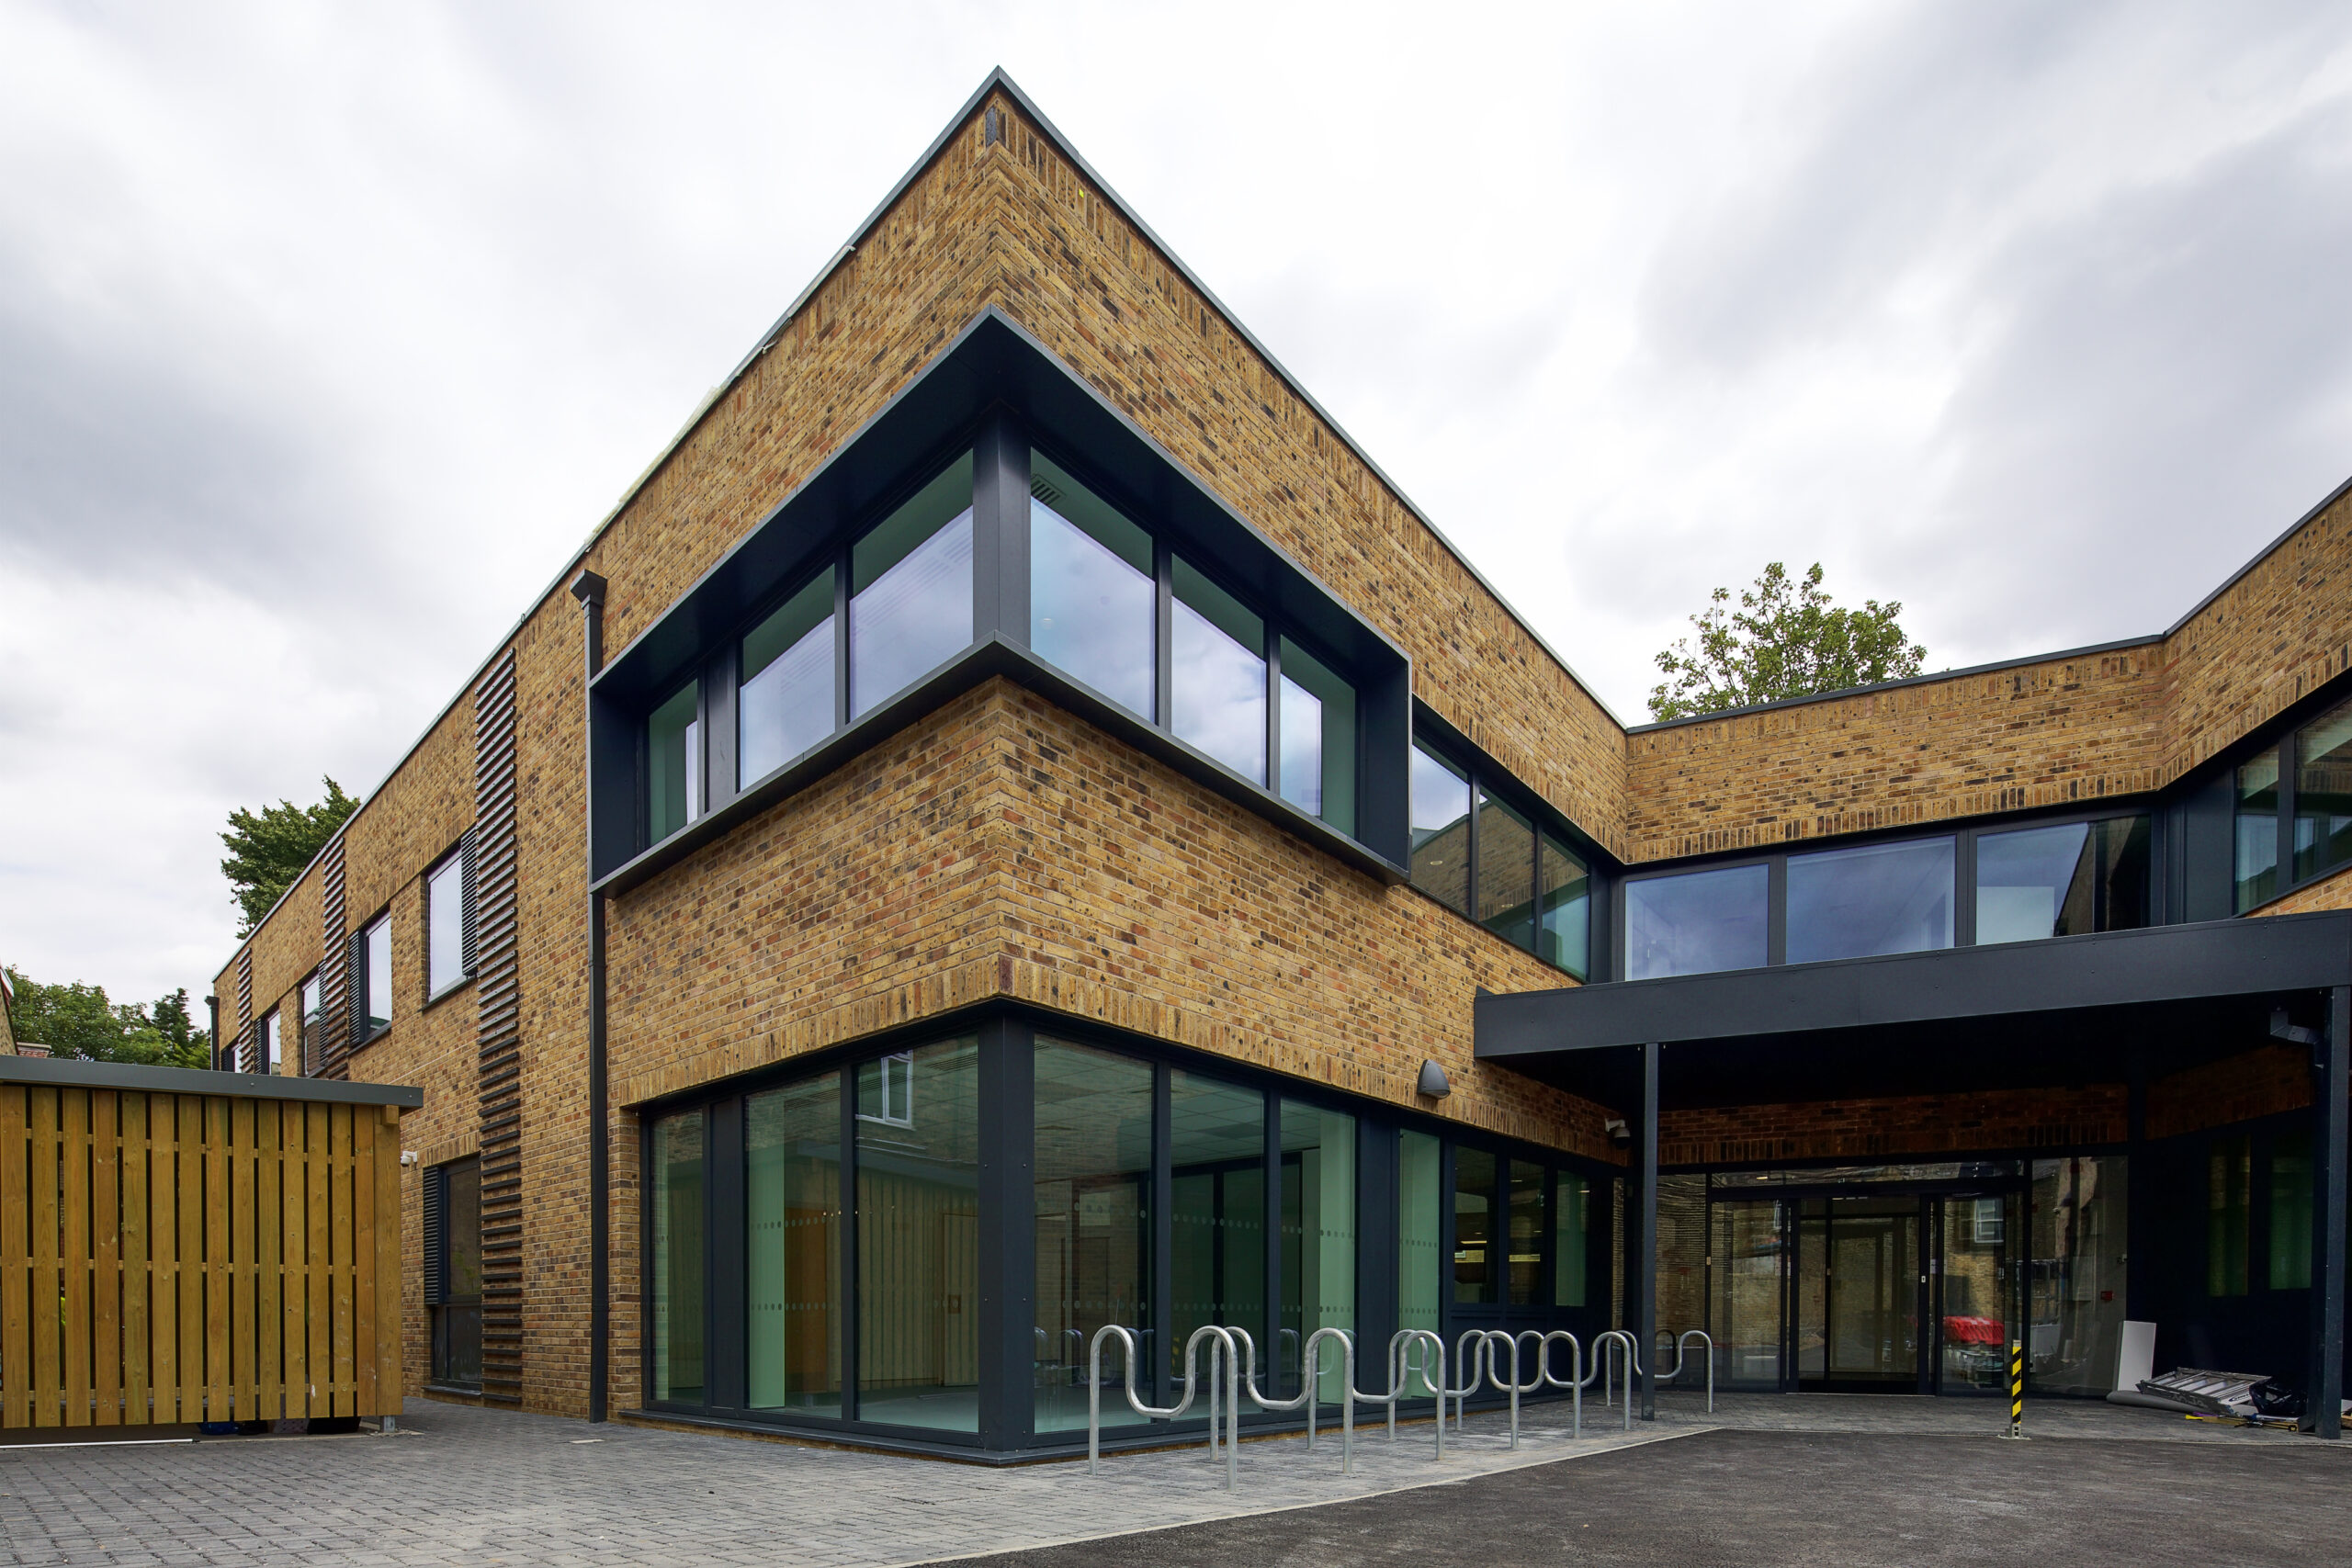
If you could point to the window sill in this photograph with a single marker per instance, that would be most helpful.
(445, 992)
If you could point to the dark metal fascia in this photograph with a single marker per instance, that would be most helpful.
(2158, 964)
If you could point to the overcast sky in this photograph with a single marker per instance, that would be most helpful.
(327, 332)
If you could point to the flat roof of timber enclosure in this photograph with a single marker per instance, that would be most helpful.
(69, 1071)
(2018, 1015)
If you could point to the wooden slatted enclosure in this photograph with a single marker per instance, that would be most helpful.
(181, 1246)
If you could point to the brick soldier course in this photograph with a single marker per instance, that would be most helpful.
(1001, 850)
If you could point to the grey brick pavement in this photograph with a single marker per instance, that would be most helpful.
(481, 1487)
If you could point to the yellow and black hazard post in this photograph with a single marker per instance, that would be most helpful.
(2017, 1392)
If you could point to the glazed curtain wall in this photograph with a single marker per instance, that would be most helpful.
(921, 1243)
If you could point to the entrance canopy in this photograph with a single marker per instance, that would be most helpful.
(2067, 1010)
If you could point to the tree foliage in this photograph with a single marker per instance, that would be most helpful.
(268, 849)
(77, 1021)
(1786, 639)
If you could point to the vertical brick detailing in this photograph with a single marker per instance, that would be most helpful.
(498, 1035)
(246, 1043)
(334, 1009)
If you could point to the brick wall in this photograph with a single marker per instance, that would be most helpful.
(1002, 849)
(1913, 1127)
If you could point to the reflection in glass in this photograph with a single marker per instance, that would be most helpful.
(1571, 1239)
(1974, 1331)
(1318, 1239)
(674, 763)
(1218, 676)
(1526, 1222)
(1094, 1225)
(1419, 1194)
(787, 703)
(1745, 1312)
(1858, 1300)
(2290, 1212)
(1091, 597)
(1440, 828)
(792, 1181)
(379, 974)
(1318, 731)
(444, 925)
(919, 1241)
(910, 590)
(677, 1315)
(1218, 1155)
(1506, 872)
(1473, 1225)
(2228, 1203)
(2075, 1302)
(1563, 908)
(1696, 923)
(313, 1016)
(2258, 830)
(2063, 881)
(2324, 794)
(1871, 899)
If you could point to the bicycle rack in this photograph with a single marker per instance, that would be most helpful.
(1415, 1356)
(1702, 1335)
(1223, 1355)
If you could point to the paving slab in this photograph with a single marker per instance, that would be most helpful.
(461, 1484)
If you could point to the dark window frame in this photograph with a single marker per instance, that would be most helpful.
(459, 854)
(1009, 397)
(1008, 1035)
(2285, 737)
(1964, 835)
(1603, 929)
(357, 971)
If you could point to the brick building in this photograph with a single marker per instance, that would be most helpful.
(1015, 824)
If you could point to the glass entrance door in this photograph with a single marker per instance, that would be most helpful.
(1860, 1293)
(1976, 1286)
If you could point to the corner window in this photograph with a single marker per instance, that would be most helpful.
(1873, 899)
(910, 590)
(446, 917)
(674, 763)
(1217, 675)
(1093, 595)
(2324, 794)
(2063, 881)
(1563, 908)
(1697, 922)
(2258, 830)
(375, 977)
(786, 702)
(1319, 730)
(1441, 812)
(1506, 872)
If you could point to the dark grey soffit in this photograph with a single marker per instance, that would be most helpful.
(2210, 959)
(77, 1074)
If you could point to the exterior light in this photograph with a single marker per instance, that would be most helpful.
(1433, 1082)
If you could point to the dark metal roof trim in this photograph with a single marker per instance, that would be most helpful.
(74, 1073)
(2160, 964)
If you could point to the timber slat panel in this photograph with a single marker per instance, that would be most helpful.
(106, 1251)
(179, 1257)
(16, 1253)
(41, 1109)
(73, 1252)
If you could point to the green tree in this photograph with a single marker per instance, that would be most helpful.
(268, 849)
(77, 1021)
(1786, 639)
